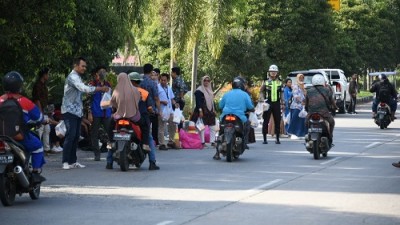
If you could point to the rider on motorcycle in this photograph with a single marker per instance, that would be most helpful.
(319, 100)
(390, 100)
(237, 102)
(12, 84)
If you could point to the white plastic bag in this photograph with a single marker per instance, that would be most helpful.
(200, 125)
(286, 119)
(105, 101)
(177, 116)
(216, 124)
(303, 113)
(259, 109)
(61, 129)
(265, 106)
(166, 113)
(253, 120)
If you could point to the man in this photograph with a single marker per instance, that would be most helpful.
(272, 93)
(386, 93)
(12, 85)
(353, 90)
(167, 101)
(237, 102)
(149, 85)
(178, 87)
(40, 96)
(155, 75)
(319, 100)
(71, 109)
(96, 115)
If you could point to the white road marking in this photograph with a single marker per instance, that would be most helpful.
(329, 161)
(263, 186)
(373, 144)
(165, 222)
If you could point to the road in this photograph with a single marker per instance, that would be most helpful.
(269, 184)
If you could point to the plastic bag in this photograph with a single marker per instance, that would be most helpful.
(199, 124)
(166, 113)
(61, 129)
(265, 106)
(105, 101)
(253, 120)
(259, 109)
(303, 113)
(189, 140)
(286, 119)
(216, 124)
(177, 116)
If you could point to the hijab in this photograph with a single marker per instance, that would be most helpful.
(125, 97)
(300, 83)
(208, 92)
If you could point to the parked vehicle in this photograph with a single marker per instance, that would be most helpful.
(127, 147)
(338, 81)
(317, 141)
(308, 74)
(231, 142)
(383, 115)
(15, 172)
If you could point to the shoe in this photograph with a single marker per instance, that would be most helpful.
(172, 145)
(277, 142)
(37, 178)
(66, 166)
(216, 156)
(153, 166)
(57, 149)
(97, 157)
(265, 142)
(109, 166)
(396, 164)
(77, 165)
(204, 145)
(146, 148)
(213, 144)
(246, 147)
(162, 148)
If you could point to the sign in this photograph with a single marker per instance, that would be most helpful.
(335, 4)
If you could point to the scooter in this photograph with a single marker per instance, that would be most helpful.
(317, 139)
(127, 148)
(15, 172)
(383, 115)
(230, 142)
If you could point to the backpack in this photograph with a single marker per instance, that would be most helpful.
(11, 118)
(384, 93)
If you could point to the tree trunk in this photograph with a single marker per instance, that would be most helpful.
(194, 72)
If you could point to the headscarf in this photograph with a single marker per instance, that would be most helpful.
(208, 92)
(300, 83)
(125, 97)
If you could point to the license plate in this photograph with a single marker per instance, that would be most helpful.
(382, 112)
(5, 159)
(315, 130)
(122, 137)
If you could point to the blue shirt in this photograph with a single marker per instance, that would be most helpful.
(149, 85)
(97, 111)
(236, 102)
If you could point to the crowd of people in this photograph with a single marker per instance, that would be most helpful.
(148, 100)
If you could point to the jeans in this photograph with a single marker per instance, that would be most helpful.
(73, 125)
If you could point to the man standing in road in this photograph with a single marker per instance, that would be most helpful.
(353, 90)
(71, 109)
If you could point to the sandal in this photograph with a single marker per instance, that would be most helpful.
(216, 157)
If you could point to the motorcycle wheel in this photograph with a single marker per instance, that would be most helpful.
(316, 149)
(381, 125)
(325, 154)
(34, 193)
(7, 190)
(123, 157)
(229, 149)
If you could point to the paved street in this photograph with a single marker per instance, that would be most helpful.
(269, 184)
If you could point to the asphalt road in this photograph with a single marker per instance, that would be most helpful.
(269, 184)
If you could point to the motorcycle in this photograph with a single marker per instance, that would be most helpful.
(231, 141)
(127, 148)
(317, 139)
(15, 172)
(383, 115)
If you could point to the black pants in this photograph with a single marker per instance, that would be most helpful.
(94, 133)
(274, 109)
(352, 106)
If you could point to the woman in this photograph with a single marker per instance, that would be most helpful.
(297, 125)
(125, 102)
(287, 95)
(205, 108)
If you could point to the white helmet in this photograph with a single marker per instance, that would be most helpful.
(273, 68)
(318, 79)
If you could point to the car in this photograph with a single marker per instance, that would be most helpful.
(308, 74)
(338, 81)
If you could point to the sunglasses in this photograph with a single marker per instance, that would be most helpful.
(207, 80)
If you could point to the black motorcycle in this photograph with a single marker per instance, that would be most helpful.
(127, 148)
(230, 141)
(317, 139)
(15, 172)
(383, 115)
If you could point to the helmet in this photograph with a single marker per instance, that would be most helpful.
(135, 76)
(238, 82)
(318, 79)
(382, 76)
(273, 68)
(12, 82)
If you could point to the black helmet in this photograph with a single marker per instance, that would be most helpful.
(12, 82)
(238, 82)
(382, 76)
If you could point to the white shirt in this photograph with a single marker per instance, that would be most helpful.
(165, 94)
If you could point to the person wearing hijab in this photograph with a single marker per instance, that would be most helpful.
(287, 96)
(297, 126)
(205, 109)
